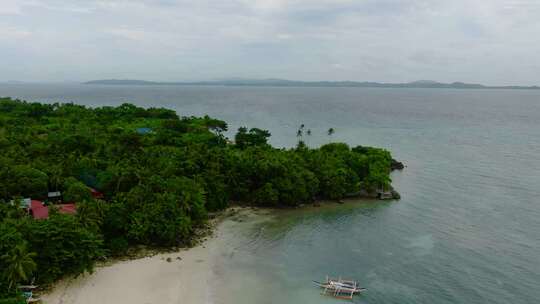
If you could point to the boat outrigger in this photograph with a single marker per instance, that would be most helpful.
(340, 288)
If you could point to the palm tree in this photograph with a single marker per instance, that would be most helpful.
(308, 132)
(20, 265)
(331, 131)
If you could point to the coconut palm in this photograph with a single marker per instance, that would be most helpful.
(20, 265)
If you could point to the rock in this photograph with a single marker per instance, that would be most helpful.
(340, 202)
(384, 195)
(396, 165)
(396, 195)
(169, 260)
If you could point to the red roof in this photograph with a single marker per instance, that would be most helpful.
(40, 211)
(95, 193)
(68, 208)
(34, 204)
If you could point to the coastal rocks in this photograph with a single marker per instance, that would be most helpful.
(396, 165)
(388, 195)
(380, 194)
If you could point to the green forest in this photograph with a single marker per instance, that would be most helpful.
(160, 175)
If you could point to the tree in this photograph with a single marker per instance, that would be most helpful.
(63, 246)
(331, 131)
(26, 181)
(10, 238)
(216, 125)
(76, 191)
(91, 214)
(255, 137)
(266, 196)
(20, 265)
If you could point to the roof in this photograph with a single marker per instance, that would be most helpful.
(67, 208)
(38, 210)
(144, 130)
(23, 203)
(35, 204)
(54, 194)
(96, 193)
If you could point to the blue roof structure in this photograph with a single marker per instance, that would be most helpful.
(144, 130)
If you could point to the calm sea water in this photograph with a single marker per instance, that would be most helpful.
(467, 229)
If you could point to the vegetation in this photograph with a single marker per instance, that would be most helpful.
(158, 185)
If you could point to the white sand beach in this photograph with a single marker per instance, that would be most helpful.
(185, 278)
(143, 281)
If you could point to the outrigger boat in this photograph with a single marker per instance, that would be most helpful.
(28, 293)
(340, 288)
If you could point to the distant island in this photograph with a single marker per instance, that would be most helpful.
(424, 84)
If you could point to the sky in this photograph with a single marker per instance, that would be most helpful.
(493, 42)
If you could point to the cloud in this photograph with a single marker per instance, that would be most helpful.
(380, 40)
(13, 33)
(10, 7)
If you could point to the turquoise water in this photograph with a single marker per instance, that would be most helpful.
(467, 229)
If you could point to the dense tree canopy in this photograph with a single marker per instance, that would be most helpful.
(160, 175)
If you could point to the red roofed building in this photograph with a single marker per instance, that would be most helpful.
(67, 208)
(39, 211)
(96, 194)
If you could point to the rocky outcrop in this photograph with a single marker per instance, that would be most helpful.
(390, 194)
(396, 165)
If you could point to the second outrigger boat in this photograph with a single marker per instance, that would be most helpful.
(340, 288)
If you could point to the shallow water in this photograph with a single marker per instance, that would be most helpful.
(467, 229)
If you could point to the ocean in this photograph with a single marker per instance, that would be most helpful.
(466, 230)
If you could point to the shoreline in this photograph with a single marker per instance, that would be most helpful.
(182, 276)
(185, 275)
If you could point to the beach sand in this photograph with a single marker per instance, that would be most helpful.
(142, 281)
(185, 279)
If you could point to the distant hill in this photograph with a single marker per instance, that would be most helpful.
(121, 82)
(428, 84)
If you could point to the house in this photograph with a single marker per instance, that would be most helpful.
(24, 203)
(95, 193)
(55, 194)
(67, 208)
(39, 211)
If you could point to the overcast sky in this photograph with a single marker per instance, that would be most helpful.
(482, 41)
